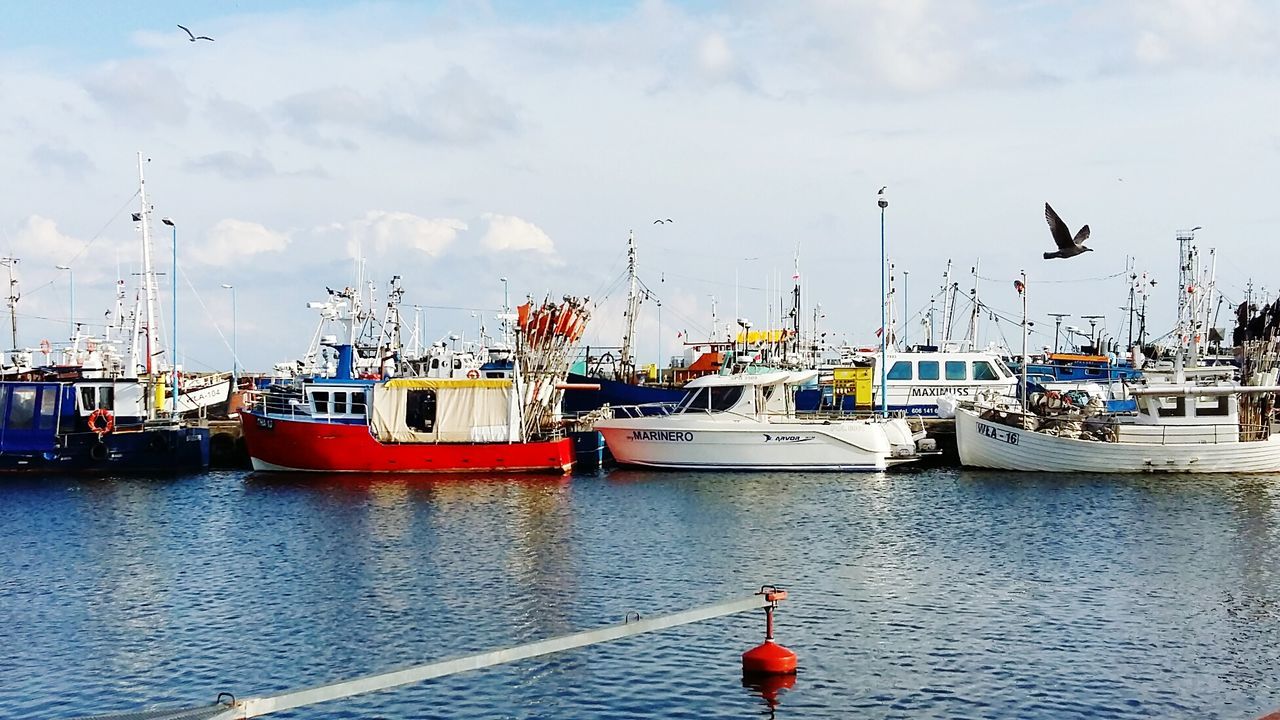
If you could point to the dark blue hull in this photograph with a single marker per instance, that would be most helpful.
(614, 393)
(158, 450)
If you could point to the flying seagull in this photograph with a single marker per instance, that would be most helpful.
(195, 37)
(660, 222)
(1067, 247)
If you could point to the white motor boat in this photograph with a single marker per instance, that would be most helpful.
(748, 422)
(1184, 428)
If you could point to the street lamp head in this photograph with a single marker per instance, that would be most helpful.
(1198, 227)
(62, 267)
(881, 200)
(167, 221)
(502, 279)
(229, 287)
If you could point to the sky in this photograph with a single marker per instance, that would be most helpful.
(455, 143)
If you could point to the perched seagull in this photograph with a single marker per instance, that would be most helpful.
(195, 37)
(1067, 247)
(660, 222)
(882, 190)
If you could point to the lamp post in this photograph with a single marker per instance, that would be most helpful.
(883, 202)
(71, 312)
(235, 356)
(173, 284)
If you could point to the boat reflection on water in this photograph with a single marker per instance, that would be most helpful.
(462, 484)
(769, 688)
(401, 526)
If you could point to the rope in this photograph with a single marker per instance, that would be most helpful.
(1074, 280)
(103, 228)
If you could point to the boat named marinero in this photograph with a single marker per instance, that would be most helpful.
(1178, 429)
(748, 422)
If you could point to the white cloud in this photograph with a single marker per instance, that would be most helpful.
(381, 232)
(1195, 33)
(38, 239)
(510, 233)
(232, 241)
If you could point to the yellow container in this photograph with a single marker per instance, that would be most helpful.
(855, 381)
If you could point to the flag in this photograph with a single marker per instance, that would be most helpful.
(1017, 285)
(879, 331)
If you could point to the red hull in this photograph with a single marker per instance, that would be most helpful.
(280, 444)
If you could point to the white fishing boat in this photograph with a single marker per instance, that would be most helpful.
(748, 422)
(1185, 428)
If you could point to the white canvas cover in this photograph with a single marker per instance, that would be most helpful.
(466, 411)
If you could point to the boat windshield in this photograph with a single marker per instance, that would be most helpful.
(711, 399)
(1004, 369)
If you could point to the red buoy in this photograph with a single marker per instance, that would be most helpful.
(769, 658)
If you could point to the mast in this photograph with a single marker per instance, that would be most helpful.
(713, 318)
(795, 301)
(906, 310)
(1188, 276)
(973, 317)
(1206, 308)
(14, 295)
(1025, 358)
(626, 361)
(947, 304)
(891, 302)
(1133, 287)
(148, 271)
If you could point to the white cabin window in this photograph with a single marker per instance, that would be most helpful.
(957, 370)
(339, 403)
(928, 369)
(93, 398)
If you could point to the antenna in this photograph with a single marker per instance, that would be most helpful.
(1057, 324)
(10, 262)
(1093, 323)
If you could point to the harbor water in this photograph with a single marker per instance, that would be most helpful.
(920, 594)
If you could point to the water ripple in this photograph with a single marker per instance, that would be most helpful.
(930, 594)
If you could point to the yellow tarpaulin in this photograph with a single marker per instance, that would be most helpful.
(752, 337)
(437, 383)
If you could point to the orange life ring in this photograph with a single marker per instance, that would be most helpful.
(472, 374)
(108, 421)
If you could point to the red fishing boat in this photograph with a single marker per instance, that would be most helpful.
(502, 416)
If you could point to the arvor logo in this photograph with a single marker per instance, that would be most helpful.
(787, 438)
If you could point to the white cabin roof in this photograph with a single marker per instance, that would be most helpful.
(753, 380)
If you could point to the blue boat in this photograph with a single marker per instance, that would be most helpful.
(72, 426)
(614, 393)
